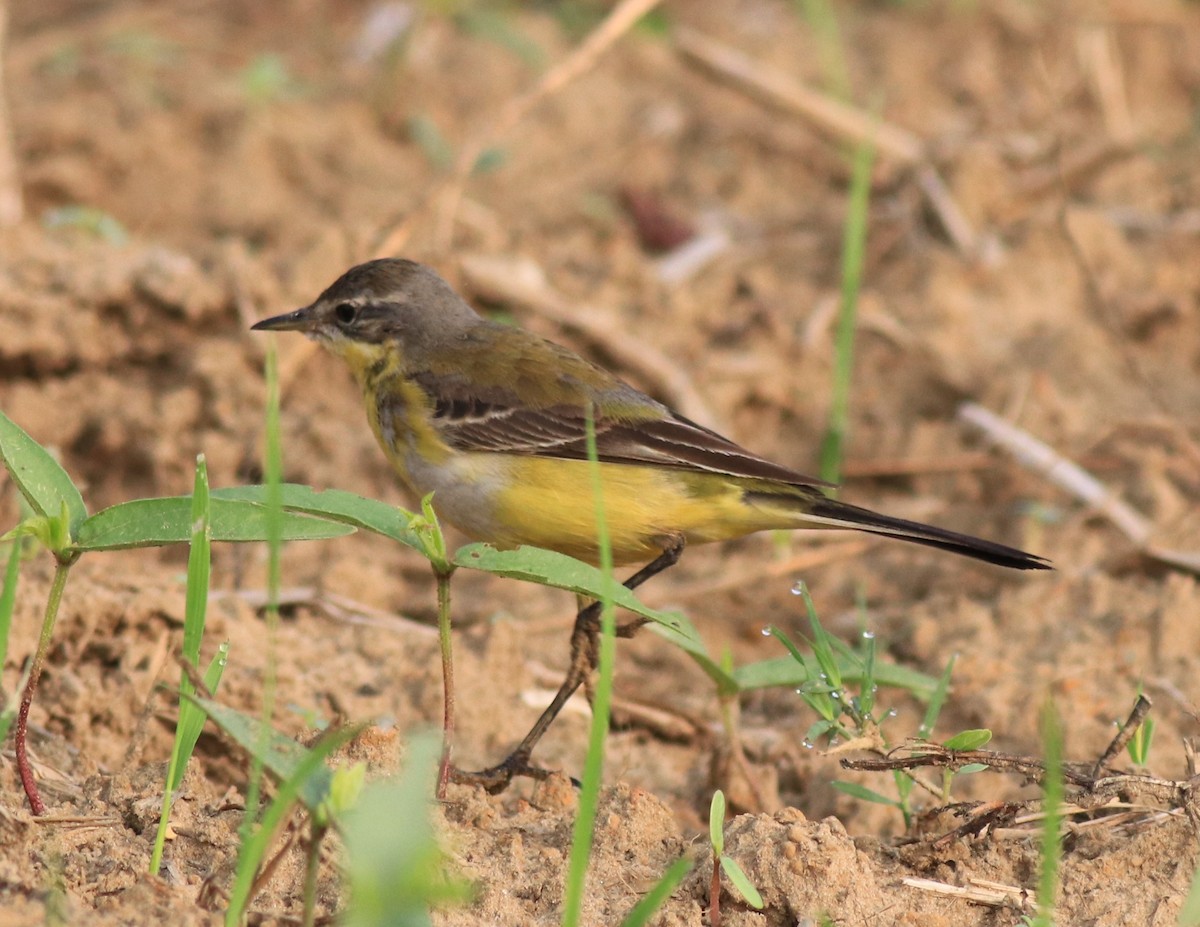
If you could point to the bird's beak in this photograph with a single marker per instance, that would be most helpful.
(301, 320)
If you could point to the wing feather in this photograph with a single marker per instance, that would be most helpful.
(495, 421)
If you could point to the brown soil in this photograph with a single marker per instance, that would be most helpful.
(1066, 134)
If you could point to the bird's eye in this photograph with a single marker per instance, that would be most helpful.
(345, 313)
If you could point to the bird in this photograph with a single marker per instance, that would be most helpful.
(493, 420)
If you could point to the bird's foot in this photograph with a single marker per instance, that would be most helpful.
(495, 779)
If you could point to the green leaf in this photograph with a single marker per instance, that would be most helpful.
(157, 522)
(716, 822)
(549, 568)
(741, 882)
(336, 505)
(785, 671)
(968, 740)
(861, 791)
(281, 755)
(308, 771)
(972, 768)
(41, 480)
(937, 700)
(532, 564)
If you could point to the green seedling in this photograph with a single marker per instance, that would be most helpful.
(726, 864)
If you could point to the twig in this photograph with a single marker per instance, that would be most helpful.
(578, 62)
(513, 280)
(1070, 477)
(1141, 708)
(992, 894)
(1099, 789)
(1103, 63)
(837, 119)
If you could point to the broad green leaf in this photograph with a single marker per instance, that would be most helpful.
(742, 882)
(968, 740)
(39, 477)
(784, 671)
(549, 568)
(284, 757)
(336, 505)
(156, 522)
(866, 794)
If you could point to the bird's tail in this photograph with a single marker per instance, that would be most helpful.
(830, 513)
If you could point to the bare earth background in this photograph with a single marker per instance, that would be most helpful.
(252, 152)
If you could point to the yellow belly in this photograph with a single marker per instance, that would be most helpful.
(550, 503)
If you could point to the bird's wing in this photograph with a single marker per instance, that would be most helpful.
(630, 429)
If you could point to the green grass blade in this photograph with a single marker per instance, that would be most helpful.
(822, 20)
(309, 774)
(593, 765)
(281, 756)
(40, 478)
(785, 671)
(854, 246)
(8, 598)
(195, 610)
(396, 873)
(938, 699)
(1052, 798)
(641, 913)
(198, 570)
(862, 792)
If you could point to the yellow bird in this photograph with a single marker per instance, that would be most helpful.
(492, 420)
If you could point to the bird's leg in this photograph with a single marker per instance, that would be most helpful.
(584, 637)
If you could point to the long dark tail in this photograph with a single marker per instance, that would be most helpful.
(833, 514)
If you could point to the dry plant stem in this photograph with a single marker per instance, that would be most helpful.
(584, 638)
(1141, 708)
(1044, 460)
(832, 116)
(835, 118)
(312, 868)
(61, 571)
(578, 62)
(1175, 792)
(523, 284)
(447, 650)
(1070, 477)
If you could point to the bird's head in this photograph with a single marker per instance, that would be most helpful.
(382, 304)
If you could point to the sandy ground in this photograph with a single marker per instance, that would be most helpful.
(253, 152)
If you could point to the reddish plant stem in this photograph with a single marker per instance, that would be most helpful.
(28, 782)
